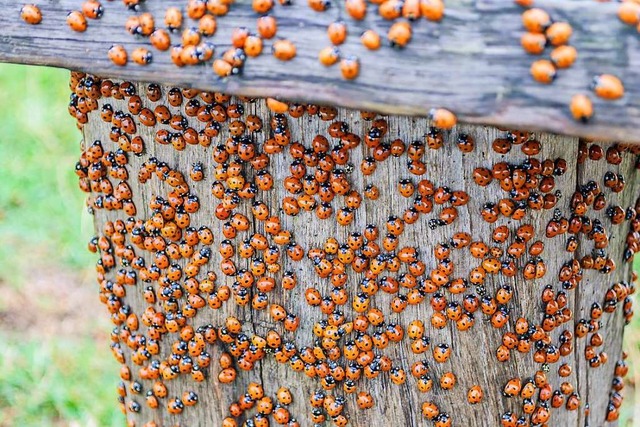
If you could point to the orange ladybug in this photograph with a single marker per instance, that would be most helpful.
(31, 14)
(262, 6)
(607, 86)
(533, 43)
(337, 32)
(141, 56)
(536, 20)
(319, 5)
(276, 106)
(160, 39)
(474, 394)
(253, 46)
(543, 71)
(581, 108)
(559, 33)
(173, 18)
(442, 118)
(357, 9)
(432, 10)
(370, 39)
(329, 56)
(284, 50)
(77, 21)
(563, 56)
(350, 67)
(118, 55)
(399, 34)
(267, 27)
(629, 12)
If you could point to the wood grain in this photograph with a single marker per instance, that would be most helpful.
(473, 352)
(470, 63)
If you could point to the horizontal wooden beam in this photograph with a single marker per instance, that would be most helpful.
(470, 63)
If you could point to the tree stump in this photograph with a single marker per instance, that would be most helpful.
(476, 276)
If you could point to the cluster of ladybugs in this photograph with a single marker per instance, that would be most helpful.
(542, 31)
(194, 50)
(162, 250)
(265, 406)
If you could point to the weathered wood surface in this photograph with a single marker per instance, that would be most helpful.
(473, 352)
(470, 63)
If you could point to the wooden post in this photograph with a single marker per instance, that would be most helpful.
(575, 308)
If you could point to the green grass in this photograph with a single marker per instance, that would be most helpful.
(57, 383)
(41, 208)
(43, 223)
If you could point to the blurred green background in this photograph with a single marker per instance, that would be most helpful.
(56, 368)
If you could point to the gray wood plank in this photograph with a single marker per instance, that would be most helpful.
(470, 63)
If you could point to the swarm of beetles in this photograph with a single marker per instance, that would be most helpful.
(542, 31)
(156, 251)
(197, 22)
(159, 253)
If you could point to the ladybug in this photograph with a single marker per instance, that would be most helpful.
(118, 55)
(222, 68)
(533, 43)
(350, 67)
(276, 106)
(563, 56)
(536, 20)
(76, 21)
(31, 14)
(466, 143)
(284, 50)
(607, 86)
(227, 375)
(430, 410)
(173, 18)
(141, 56)
(267, 27)
(196, 8)
(329, 55)
(512, 388)
(262, 6)
(442, 119)
(411, 10)
(175, 406)
(399, 34)
(370, 39)
(442, 420)
(134, 406)
(559, 33)
(357, 9)
(337, 32)
(397, 376)
(364, 400)
(207, 25)
(447, 380)
(474, 395)
(433, 10)
(160, 39)
(543, 71)
(441, 353)
(189, 398)
(146, 24)
(253, 46)
(629, 13)
(425, 383)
